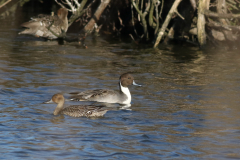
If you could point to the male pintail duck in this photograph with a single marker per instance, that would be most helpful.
(47, 26)
(76, 110)
(123, 96)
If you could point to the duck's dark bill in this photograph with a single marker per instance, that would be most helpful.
(50, 101)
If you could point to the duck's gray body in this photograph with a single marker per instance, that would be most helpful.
(123, 96)
(101, 95)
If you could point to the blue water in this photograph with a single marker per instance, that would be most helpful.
(188, 107)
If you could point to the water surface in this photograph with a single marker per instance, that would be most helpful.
(188, 107)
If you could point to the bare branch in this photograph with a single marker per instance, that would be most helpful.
(70, 5)
(120, 20)
(132, 37)
(135, 6)
(143, 15)
(87, 7)
(166, 22)
(60, 4)
(5, 3)
(193, 3)
(78, 4)
(179, 14)
(219, 26)
(150, 16)
(160, 14)
(63, 2)
(89, 27)
(141, 5)
(147, 8)
(156, 10)
(133, 21)
(80, 11)
(219, 15)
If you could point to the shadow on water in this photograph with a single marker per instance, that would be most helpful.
(188, 106)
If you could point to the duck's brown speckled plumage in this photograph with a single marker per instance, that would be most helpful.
(76, 110)
(47, 26)
(84, 111)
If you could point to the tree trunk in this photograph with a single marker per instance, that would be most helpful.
(203, 5)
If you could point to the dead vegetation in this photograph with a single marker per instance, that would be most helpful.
(198, 22)
(195, 22)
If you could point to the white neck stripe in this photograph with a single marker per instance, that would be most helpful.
(126, 91)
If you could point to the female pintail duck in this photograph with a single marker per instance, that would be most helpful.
(76, 110)
(123, 96)
(47, 26)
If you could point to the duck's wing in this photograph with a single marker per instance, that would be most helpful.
(31, 28)
(91, 95)
(40, 25)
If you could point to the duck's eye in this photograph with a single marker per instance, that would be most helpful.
(129, 78)
(89, 112)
